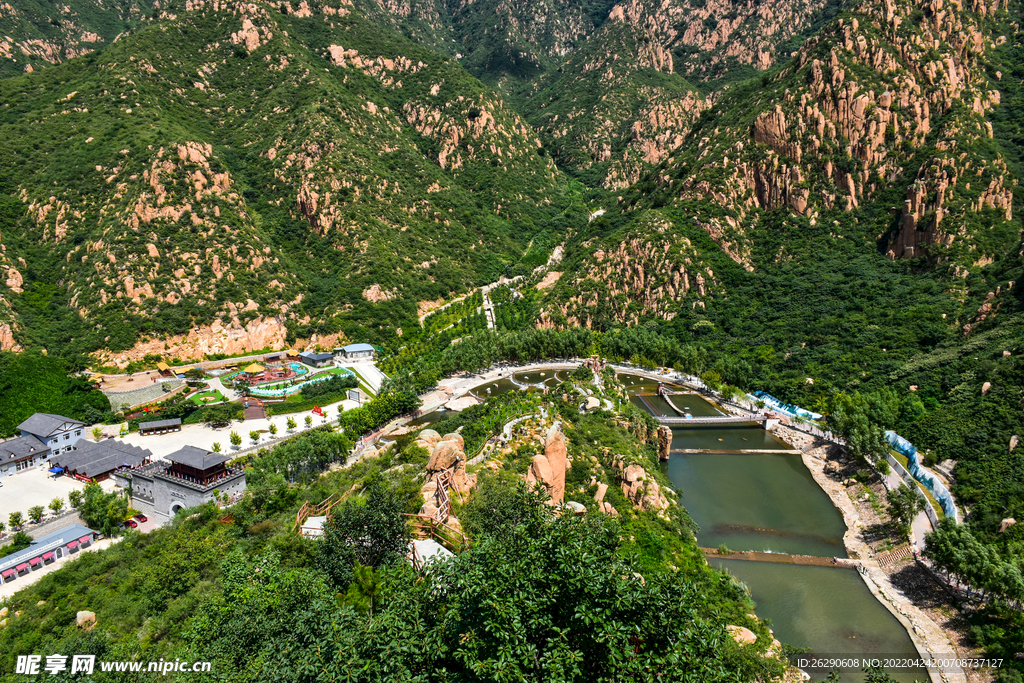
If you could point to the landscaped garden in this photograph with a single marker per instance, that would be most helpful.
(206, 398)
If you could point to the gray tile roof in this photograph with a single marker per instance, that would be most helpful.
(45, 424)
(22, 447)
(197, 458)
(355, 348)
(157, 424)
(316, 356)
(91, 458)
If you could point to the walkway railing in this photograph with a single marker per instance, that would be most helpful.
(426, 527)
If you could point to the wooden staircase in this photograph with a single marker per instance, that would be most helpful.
(424, 527)
(444, 502)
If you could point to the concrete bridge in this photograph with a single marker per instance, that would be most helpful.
(713, 420)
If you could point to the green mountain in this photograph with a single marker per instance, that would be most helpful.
(352, 176)
(35, 34)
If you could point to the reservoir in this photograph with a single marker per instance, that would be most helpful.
(769, 502)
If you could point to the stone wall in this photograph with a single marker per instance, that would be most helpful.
(143, 394)
(66, 519)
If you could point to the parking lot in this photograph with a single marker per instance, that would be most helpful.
(36, 487)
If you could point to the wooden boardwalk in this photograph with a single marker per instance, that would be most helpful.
(782, 558)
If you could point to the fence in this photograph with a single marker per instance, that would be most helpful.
(912, 483)
(427, 527)
(921, 474)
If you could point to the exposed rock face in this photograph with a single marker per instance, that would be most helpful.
(165, 230)
(1014, 441)
(652, 271)
(664, 442)
(549, 469)
(835, 129)
(86, 619)
(447, 454)
(236, 338)
(1006, 524)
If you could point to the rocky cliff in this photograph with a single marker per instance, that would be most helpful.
(163, 192)
(36, 34)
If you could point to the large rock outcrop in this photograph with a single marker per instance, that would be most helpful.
(447, 454)
(664, 442)
(640, 487)
(549, 469)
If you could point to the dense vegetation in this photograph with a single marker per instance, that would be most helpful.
(33, 383)
(254, 597)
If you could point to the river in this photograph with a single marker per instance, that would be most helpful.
(769, 502)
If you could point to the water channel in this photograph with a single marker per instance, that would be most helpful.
(769, 501)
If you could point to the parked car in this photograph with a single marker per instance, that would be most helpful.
(141, 518)
(132, 523)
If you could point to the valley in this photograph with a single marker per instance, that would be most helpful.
(527, 217)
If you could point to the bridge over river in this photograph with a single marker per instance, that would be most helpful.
(714, 420)
(681, 419)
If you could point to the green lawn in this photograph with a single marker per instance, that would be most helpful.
(215, 395)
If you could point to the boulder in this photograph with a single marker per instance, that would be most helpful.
(576, 508)
(1014, 440)
(985, 388)
(445, 454)
(3, 612)
(1006, 524)
(540, 471)
(429, 436)
(607, 508)
(641, 490)
(555, 452)
(457, 438)
(741, 634)
(664, 442)
(41, 602)
(86, 619)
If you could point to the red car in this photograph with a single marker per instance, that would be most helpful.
(141, 518)
(132, 523)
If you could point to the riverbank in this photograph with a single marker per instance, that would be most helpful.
(931, 638)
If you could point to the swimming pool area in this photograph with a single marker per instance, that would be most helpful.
(287, 388)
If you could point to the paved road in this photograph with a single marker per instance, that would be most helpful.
(921, 525)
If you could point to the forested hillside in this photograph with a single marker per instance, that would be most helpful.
(35, 34)
(354, 176)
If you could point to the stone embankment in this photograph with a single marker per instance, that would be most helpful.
(928, 637)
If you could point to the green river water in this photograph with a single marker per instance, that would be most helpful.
(770, 502)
